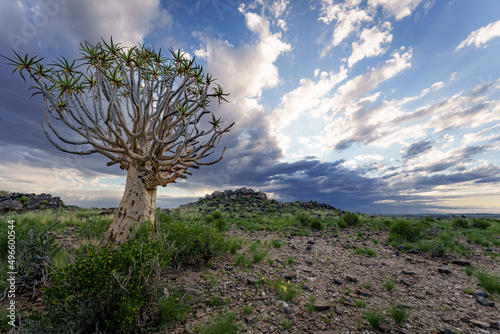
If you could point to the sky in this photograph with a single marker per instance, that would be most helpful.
(372, 106)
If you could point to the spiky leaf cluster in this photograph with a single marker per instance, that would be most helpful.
(131, 104)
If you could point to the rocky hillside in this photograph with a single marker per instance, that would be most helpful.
(28, 202)
(250, 200)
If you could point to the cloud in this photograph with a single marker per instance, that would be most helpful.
(249, 67)
(481, 36)
(42, 23)
(398, 8)
(348, 16)
(416, 149)
(373, 42)
(304, 100)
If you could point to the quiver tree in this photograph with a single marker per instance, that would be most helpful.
(138, 108)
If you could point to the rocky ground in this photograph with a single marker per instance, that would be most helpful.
(336, 284)
(437, 293)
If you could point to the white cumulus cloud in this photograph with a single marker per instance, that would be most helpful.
(373, 42)
(481, 36)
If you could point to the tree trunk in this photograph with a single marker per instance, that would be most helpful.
(138, 205)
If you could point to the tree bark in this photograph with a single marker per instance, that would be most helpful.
(138, 205)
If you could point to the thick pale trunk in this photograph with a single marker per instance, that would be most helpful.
(138, 205)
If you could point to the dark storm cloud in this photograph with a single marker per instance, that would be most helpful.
(416, 149)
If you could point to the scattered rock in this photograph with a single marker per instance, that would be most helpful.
(444, 271)
(252, 280)
(337, 281)
(321, 306)
(290, 276)
(351, 279)
(410, 273)
(479, 324)
(385, 328)
(461, 263)
(29, 202)
(363, 293)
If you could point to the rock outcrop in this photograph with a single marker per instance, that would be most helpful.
(258, 200)
(28, 202)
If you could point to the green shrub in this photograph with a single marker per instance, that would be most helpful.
(430, 219)
(481, 224)
(24, 200)
(460, 223)
(316, 224)
(304, 219)
(217, 214)
(351, 219)
(191, 242)
(405, 230)
(110, 285)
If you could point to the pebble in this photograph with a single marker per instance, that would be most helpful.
(444, 271)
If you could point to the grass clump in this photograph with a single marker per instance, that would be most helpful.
(277, 243)
(490, 282)
(174, 308)
(389, 284)
(374, 318)
(225, 324)
(399, 314)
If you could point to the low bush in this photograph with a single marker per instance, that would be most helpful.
(191, 242)
(481, 224)
(304, 219)
(460, 223)
(109, 286)
(405, 230)
(351, 219)
(316, 224)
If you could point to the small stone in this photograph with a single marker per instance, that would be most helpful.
(198, 315)
(309, 263)
(293, 247)
(290, 276)
(287, 310)
(310, 242)
(415, 251)
(337, 281)
(444, 271)
(363, 293)
(493, 324)
(411, 273)
(461, 263)
(346, 246)
(402, 247)
(250, 320)
(338, 310)
(252, 280)
(448, 331)
(480, 293)
(479, 324)
(308, 247)
(396, 254)
(321, 306)
(195, 292)
(485, 301)
(307, 288)
(351, 279)
(385, 328)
